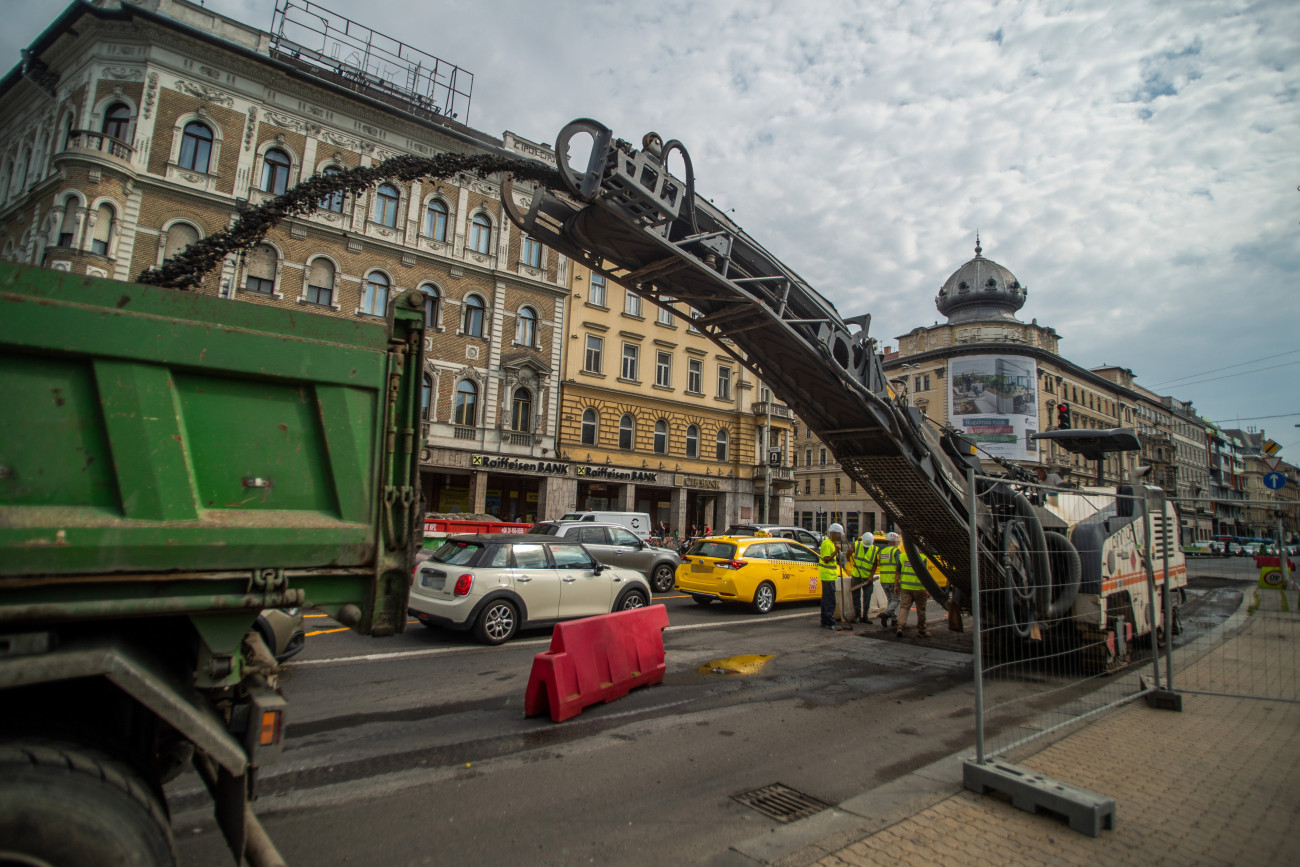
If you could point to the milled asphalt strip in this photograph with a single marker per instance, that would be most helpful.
(442, 651)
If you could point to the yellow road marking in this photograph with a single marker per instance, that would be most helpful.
(328, 631)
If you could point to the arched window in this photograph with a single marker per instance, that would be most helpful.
(332, 201)
(117, 121)
(521, 411)
(375, 298)
(532, 252)
(589, 419)
(472, 324)
(480, 234)
(626, 432)
(661, 437)
(426, 395)
(466, 403)
(262, 262)
(386, 201)
(196, 147)
(68, 228)
(432, 298)
(722, 444)
(526, 327)
(692, 442)
(320, 282)
(179, 237)
(103, 230)
(435, 221)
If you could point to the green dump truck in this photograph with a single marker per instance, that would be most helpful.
(171, 465)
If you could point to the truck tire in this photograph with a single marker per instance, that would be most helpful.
(66, 805)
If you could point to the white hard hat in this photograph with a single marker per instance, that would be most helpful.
(894, 537)
(834, 528)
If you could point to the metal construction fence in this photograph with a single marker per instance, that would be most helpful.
(1096, 605)
(1066, 631)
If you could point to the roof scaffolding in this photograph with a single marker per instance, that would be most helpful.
(338, 49)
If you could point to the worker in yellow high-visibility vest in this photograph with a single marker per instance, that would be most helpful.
(889, 577)
(830, 557)
(911, 591)
(863, 565)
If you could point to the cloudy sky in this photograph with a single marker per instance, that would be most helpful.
(1134, 163)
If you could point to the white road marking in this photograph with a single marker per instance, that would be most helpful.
(441, 651)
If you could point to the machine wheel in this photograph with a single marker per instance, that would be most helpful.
(702, 600)
(66, 805)
(631, 600)
(764, 597)
(663, 579)
(498, 623)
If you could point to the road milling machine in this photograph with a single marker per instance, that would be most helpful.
(1054, 568)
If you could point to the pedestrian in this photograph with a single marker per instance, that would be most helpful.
(911, 591)
(889, 568)
(863, 566)
(830, 557)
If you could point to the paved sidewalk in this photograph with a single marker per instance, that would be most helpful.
(1218, 783)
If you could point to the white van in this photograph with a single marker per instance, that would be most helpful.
(637, 522)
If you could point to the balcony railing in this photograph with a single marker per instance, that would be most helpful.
(86, 140)
(779, 474)
(466, 433)
(779, 410)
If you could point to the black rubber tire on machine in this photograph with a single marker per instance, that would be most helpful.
(66, 805)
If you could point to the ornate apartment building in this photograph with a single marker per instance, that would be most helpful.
(657, 418)
(133, 129)
(1003, 380)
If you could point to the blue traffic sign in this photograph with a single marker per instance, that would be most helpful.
(1274, 481)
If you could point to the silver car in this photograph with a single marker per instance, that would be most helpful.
(616, 545)
(498, 583)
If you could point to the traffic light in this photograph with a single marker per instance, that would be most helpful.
(1063, 416)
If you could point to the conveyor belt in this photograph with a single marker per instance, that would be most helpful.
(772, 322)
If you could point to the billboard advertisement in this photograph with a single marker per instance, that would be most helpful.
(994, 399)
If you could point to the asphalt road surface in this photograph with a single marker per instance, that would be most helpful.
(415, 749)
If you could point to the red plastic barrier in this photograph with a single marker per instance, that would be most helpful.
(1263, 561)
(597, 659)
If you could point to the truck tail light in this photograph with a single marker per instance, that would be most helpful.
(463, 583)
(272, 723)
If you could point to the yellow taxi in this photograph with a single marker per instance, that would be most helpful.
(761, 571)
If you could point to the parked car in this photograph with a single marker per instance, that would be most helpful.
(799, 534)
(758, 570)
(282, 631)
(498, 583)
(637, 522)
(615, 545)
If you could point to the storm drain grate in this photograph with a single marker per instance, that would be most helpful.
(780, 802)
